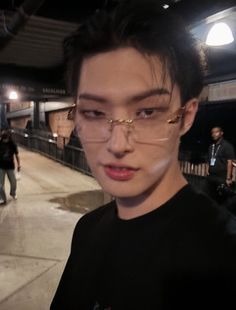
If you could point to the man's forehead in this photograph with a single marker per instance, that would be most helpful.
(216, 129)
(123, 69)
(126, 58)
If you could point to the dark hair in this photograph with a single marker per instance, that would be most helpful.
(6, 134)
(217, 127)
(146, 27)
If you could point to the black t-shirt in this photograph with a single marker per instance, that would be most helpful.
(7, 151)
(221, 152)
(181, 255)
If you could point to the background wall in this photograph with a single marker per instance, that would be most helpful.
(20, 122)
(59, 123)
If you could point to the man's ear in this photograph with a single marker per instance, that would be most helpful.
(191, 108)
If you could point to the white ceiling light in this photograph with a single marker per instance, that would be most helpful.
(219, 34)
(13, 95)
(165, 6)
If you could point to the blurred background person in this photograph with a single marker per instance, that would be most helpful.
(220, 166)
(8, 149)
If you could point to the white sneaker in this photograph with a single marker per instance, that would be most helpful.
(14, 197)
(1, 201)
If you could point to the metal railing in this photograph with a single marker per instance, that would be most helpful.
(194, 173)
(55, 148)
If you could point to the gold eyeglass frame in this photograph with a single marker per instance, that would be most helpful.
(129, 122)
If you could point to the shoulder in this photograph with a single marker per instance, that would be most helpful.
(205, 212)
(189, 194)
(226, 143)
(95, 220)
(207, 227)
(228, 148)
(98, 214)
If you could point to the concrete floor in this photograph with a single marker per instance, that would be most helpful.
(36, 230)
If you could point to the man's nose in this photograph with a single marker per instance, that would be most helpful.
(120, 142)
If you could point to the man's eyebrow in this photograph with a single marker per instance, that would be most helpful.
(137, 97)
(150, 93)
(87, 96)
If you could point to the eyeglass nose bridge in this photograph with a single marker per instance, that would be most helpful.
(120, 121)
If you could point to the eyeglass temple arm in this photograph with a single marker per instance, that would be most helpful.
(176, 118)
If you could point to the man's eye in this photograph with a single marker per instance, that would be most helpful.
(92, 114)
(146, 113)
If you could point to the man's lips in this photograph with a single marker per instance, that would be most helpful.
(120, 172)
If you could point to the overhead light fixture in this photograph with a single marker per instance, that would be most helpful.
(219, 34)
(13, 95)
(165, 6)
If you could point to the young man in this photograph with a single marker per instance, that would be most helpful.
(220, 165)
(8, 150)
(136, 75)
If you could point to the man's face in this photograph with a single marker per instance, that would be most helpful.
(119, 84)
(216, 133)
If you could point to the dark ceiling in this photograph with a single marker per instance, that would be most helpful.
(35, 50)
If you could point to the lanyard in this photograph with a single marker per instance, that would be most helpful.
(213, 151)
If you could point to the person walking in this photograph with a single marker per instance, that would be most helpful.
(8, 150)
